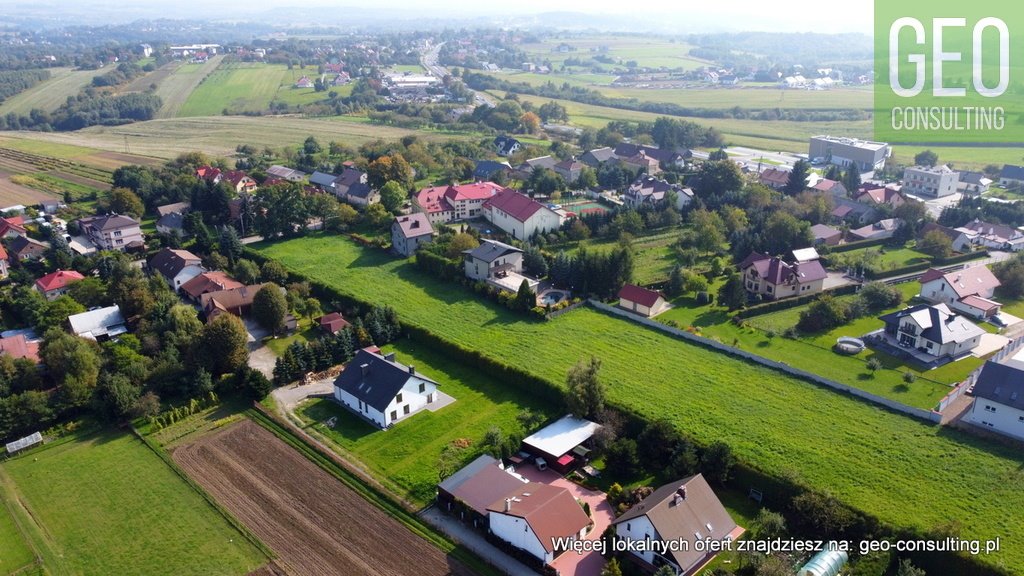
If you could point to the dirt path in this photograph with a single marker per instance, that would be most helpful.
(315, 524)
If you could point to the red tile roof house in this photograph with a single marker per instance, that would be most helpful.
(208, 282)
(687, 510)
(444, 204)
(18, 347)
(879, 195)
(209, 174)
(332, 323)
(968, 291)
(827, 235)
(4, 264)
(520, 216)
(55, 284)
(829, 187)
(12, 227)
(237, 301)
(535, 516)
(775, 279)
(774, 178)
(409, 232)
(647, 303)
(240, 181)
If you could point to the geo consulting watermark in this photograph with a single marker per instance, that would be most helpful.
(949, 71)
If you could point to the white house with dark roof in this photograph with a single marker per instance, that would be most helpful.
(409, 232)
(520, 216)
(176, 267)
(995, 236)
(492, 259)
(999, 395)
(687, 511)
(382, 390)
(968, 291)
(932, 329)
(1011, 176)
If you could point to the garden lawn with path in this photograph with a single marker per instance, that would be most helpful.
(889, 465)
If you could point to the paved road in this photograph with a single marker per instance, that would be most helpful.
(475, 541)
(429, 61)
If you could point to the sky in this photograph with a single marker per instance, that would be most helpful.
(688, 15)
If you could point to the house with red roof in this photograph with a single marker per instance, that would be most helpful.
(18, 346)
(4, 265)
(878, 195)
(775, 279)
(647, 303)
(12, 227)
(332, 323)
(533, 516)
(55, 284)
(209, 174)
(241, 181)
(968, 291)
(444, 204)
(774, 178)
(520, 216)
(207, 282)
(829, 187)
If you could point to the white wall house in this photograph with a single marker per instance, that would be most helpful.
(491, 259)
(933, 329)
(409, 232)
(176, 267)
(968, 291)
(519, 215)
(999, 396)
(936, 182)
(382, 390)
(533, 515)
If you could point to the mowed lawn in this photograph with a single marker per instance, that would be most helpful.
(248, 87)
(108, 505)
(50, 94)
(15, 553)
(904, 471)
(407, 454)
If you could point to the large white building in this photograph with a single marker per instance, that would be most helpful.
(533, 516)
(999, 395)
(935, 182)
(520, 216)
(381, 390)
(865, 155)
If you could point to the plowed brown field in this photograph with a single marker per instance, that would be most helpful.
(314, 523)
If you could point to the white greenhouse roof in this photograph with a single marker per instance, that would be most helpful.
(562, 436)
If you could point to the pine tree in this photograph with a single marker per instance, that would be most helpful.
(851, 179)
(676, 282)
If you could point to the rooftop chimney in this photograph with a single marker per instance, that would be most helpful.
(508, 504)
(365, 368)
(412, 369)
(390, 356)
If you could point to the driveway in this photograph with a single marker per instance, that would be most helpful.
(263, 359)
(570, 563)
(290, 396)
(475, 541)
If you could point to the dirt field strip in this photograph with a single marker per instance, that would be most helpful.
(11, 193)
(314, 523)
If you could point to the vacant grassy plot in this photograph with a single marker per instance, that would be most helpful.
(882, 258)
(757, 98)
(407, 455)
(49, 95)
(235, 86)
(108, 505)
(220, 135)
(653, 256)
(892, 466)
(647, 52)
(583, 79)
(176, 88)
(15, 553)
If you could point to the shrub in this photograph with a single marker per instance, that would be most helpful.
(909, 377)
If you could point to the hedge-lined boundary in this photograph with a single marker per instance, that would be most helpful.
(787, 303)
(937, 263)
(775, 489)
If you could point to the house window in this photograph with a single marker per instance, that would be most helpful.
(394, 414)
(929, 344)
(628, 529)
(405, 409)
(117, 233)
(423, 387)
(1020, 419)
(398, 398)
(119, 241)
(990, 408)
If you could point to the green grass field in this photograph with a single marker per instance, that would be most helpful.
(177, 88)
(895, 467)
(407, 455)
(653, 255)
(250, 87)
(646, 51)
(50, 94)
(15, 553)
(105, 504)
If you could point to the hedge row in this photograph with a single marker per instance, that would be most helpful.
(937, 263)
(850, 246)
(787, 303)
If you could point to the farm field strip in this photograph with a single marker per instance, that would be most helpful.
(176, 89)
(16, 553)
(773, 422)
(109, 505)
(313, 522)
(235, 86)
(12, 194)
(50, 94)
